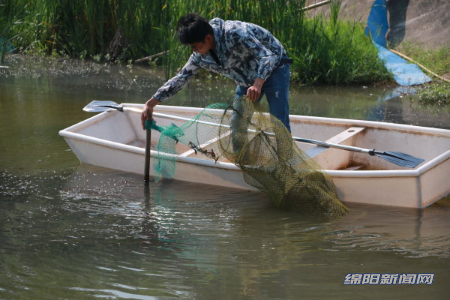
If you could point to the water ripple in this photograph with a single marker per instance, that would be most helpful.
(96, 233)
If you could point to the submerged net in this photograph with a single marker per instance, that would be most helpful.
(262, 147)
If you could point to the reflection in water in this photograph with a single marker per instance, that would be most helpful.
(69, 232)
(100, 233)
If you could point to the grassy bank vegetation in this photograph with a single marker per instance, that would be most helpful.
(437, 93)
(324, 49)
(437, 61)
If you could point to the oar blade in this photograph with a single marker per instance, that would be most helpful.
(101, 106)
(400, 159)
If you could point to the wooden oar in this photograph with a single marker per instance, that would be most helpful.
(398, 158)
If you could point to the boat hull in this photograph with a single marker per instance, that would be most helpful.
(115, 140)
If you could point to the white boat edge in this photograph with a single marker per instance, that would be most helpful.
(412, 187)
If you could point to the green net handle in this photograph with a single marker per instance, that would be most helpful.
(152, 125)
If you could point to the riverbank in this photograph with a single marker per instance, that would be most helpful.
(327, 44)
(324, 50)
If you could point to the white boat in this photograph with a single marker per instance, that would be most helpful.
(115, 140)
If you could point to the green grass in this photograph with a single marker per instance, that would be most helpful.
(435, 94)
(325, 49)
(436, 60)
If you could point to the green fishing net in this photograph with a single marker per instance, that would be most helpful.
(262, 147)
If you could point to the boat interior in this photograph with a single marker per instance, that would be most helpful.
(118, 129)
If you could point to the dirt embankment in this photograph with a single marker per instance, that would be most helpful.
(424, 22)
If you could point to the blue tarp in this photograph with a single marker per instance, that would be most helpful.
(404, 73)
(377, 26)
(377, 23)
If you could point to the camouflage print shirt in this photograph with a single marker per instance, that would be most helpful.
(245, 52)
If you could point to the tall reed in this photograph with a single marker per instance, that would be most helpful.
(324, 49)
(6, 18)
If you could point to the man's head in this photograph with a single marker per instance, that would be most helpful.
(196, 32)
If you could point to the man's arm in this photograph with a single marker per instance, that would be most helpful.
(170, 88)
(179, 81)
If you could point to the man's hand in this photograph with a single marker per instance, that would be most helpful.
(147, 112)
(254, 91)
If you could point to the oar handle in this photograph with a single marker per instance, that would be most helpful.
(337, 146)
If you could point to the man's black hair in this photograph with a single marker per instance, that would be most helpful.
(192, 28)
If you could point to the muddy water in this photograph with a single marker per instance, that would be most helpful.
(78, 232)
